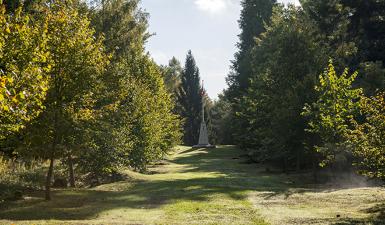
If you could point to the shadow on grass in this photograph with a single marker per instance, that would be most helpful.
(232, 179)
(377, 218)
(87, 204)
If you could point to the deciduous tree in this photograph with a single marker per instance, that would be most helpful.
(332, 115)
(23, 67)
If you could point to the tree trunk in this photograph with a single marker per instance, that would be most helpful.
(71, 171)
(284, 166)
(298, 160)
(49, 179)
(315, 170)
(52, 159)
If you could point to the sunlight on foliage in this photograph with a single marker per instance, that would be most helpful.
(24, 64)
(332, 114)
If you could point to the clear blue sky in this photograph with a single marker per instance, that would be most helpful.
(208, 27)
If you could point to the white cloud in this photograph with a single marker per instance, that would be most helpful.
(212, 6)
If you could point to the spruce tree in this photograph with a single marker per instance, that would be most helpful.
(353, 31)
(285, 64)
(254, 16)
(190, 100)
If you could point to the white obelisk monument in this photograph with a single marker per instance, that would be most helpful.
(203, 134)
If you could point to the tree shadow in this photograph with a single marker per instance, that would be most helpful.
(228, 177)
(377, 218)
(87, 204)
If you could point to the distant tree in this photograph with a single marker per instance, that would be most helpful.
(222, 121)
(171, 75)
(190, 100)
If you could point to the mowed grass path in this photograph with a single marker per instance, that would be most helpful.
(214, 186)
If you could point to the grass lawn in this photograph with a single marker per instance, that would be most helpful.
(213, 186)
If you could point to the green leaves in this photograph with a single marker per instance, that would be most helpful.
(135, 124)
(23, 83)
(367, 138)
(189, 99)
(284, 65)
(332, 115)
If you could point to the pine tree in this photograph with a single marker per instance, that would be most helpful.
(254, 16)
(367, 28)
(190, 100)
(286, 63)
(353, 32)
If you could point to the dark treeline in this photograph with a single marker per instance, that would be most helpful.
(79, 90)
(290, 100)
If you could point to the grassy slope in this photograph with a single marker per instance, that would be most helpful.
(203, 187)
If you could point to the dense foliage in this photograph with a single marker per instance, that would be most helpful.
(254, 16)
(134, 102)
(293, 117)
(78, 88)
(221, 122)
(331, 116)
(367, 139)
(24, 62)
(172, 76)
(189, 98)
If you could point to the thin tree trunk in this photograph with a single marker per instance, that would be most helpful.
(49, 179)
(284, 166)
(315, 170)
(51, 166)
(71, 171)
(52, 158)
(298, 160)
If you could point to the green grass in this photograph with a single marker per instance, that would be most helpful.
(203, 187)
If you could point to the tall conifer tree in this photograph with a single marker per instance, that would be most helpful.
(254, 16)
(190, 100)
